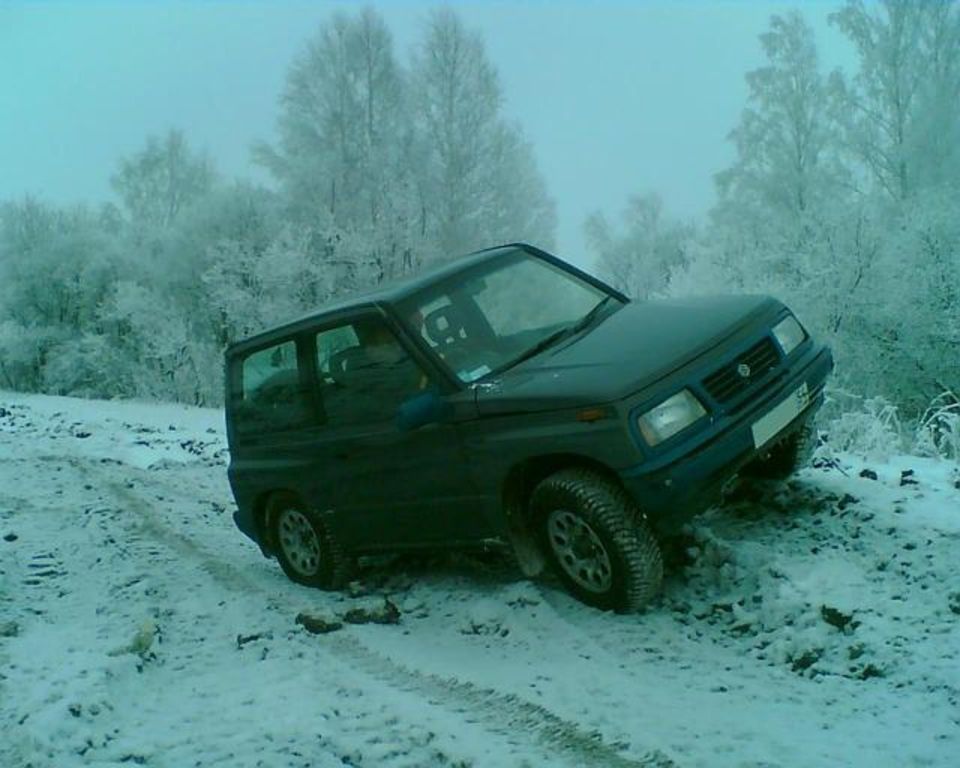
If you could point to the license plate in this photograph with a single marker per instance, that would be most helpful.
(766, 428)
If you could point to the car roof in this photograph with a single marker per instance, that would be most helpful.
(386, 293)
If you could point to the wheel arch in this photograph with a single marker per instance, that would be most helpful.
(517, 488)
(261, 517)
(524, 476)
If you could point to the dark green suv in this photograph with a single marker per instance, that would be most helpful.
(508, 399)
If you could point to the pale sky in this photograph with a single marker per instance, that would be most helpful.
(617, 98)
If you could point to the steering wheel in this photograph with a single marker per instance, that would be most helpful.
(444, 326)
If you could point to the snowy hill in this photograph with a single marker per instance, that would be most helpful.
(811, 624)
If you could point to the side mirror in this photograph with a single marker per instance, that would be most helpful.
(426, 408)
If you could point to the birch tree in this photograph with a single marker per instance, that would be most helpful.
(344, 158)
(904, 101)
(56, 267)
(640, 258)
(788, 218)
(788, 172)
(341, 125)
(479, 182)
(157, 183)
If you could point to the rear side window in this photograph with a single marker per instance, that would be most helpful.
(272, 397)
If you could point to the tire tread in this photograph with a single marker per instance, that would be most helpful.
(608, 506)
(336, 565)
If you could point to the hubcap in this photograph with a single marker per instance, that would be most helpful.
(579, 551)
(298, 542)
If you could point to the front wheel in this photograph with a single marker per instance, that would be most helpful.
(306, 551)
(597, 540)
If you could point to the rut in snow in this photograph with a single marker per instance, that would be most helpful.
(506, 715)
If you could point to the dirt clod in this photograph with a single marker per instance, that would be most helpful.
(387, 614)
(242, 640)
(869, 671)
(836, 618)
(316, 625)
(847, 500)
(805, 660)
(907, 478)
(9, 629)
(953, 603)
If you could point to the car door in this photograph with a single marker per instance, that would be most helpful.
(396, 488)
(274, 420)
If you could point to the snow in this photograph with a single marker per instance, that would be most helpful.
(809, 623)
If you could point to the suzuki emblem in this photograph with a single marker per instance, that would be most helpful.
(744, 370)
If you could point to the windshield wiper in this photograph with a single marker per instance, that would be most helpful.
(536, 349)
(562, 333)
(587, 319)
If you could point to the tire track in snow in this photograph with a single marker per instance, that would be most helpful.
(506, 715)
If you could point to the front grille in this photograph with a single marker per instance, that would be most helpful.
(727, 384)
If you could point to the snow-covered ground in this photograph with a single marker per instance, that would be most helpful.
(811, 624)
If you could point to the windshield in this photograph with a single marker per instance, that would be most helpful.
(492, 316)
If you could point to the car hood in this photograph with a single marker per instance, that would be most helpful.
(635, 346)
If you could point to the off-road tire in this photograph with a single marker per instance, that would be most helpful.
(330, 569)
(600, 508)
(783, 459)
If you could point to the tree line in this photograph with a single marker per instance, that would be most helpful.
(378, 168)
(843, 199)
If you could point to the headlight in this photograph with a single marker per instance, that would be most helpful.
(672, 415)
(789, 334)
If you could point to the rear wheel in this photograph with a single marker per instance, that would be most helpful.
(597, 540)
(306, 551)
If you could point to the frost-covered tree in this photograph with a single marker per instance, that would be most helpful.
(342, 126)
(902, 105)
(903, 126)
(164, 358)
(346, 154)
(157, 183)
(300, 269)
(521, 210)
(231, 219)
(23, 351)
(914, 313)
(91, 365)
(789, 220)
(141, 297)
(56, 267)
(406, 168)
(639, 259)
(786, 221)
(787, 178)
(480, 183)
(937, 135)
(785, 213)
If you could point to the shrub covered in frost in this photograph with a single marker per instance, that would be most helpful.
(938, 431)
(867, 426)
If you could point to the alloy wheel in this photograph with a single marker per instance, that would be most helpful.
(298, 541)
(579, 551)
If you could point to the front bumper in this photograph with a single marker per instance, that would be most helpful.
(673, 493)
